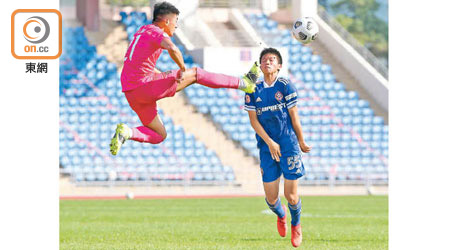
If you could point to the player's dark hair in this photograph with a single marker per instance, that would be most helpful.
(271, 51)
(163, 8)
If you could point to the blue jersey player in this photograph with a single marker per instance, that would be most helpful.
(273, 114)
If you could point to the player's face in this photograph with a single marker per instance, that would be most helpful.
(270, 64)
(171, 24)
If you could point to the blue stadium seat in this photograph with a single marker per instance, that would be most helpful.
(74, 112)
(328, 98)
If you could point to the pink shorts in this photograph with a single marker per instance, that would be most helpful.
(143, 98)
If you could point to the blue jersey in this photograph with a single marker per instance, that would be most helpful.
(271, 104)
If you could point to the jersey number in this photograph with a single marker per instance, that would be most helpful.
(293, 162)
(133, 45)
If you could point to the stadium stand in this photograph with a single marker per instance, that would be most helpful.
(351, 144)
(349, 141)
(91, 104)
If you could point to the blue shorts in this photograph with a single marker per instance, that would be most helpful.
(290, 165)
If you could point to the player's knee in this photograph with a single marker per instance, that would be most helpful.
(291, 198)
(272, 200)
(163, 135)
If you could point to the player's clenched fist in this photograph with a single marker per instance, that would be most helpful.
(304, 147)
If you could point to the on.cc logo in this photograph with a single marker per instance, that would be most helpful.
(36, 34)
(40, 30)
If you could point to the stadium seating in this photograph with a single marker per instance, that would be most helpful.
(348, 141)
(92, 103)
(332, 118)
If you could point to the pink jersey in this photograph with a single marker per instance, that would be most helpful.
(140, 59)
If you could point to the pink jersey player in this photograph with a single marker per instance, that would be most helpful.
(141, 57)
(143, 84)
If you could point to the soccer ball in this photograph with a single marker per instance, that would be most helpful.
(305, 30)
(129, 195)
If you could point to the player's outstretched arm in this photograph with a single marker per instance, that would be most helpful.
(295, 119)
(174, 52)
(274, 148)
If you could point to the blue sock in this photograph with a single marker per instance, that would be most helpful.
(277, 208)
(295, 210)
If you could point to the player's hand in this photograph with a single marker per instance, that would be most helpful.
(304, 147)
(275, 150)
(180, 75)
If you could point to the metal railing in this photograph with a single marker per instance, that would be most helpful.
(229, 37)
(191, 32)
(230, 4)
(363, 51)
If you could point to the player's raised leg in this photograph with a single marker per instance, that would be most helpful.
(271, 190)
(153, 133)
(214, 80)
(295, 208)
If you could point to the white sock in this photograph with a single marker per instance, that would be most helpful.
(129, 132)
(242, 84)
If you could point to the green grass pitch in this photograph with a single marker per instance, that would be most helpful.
(339, 222)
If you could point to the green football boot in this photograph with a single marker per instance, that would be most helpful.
(250, 78)
(122, 134)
